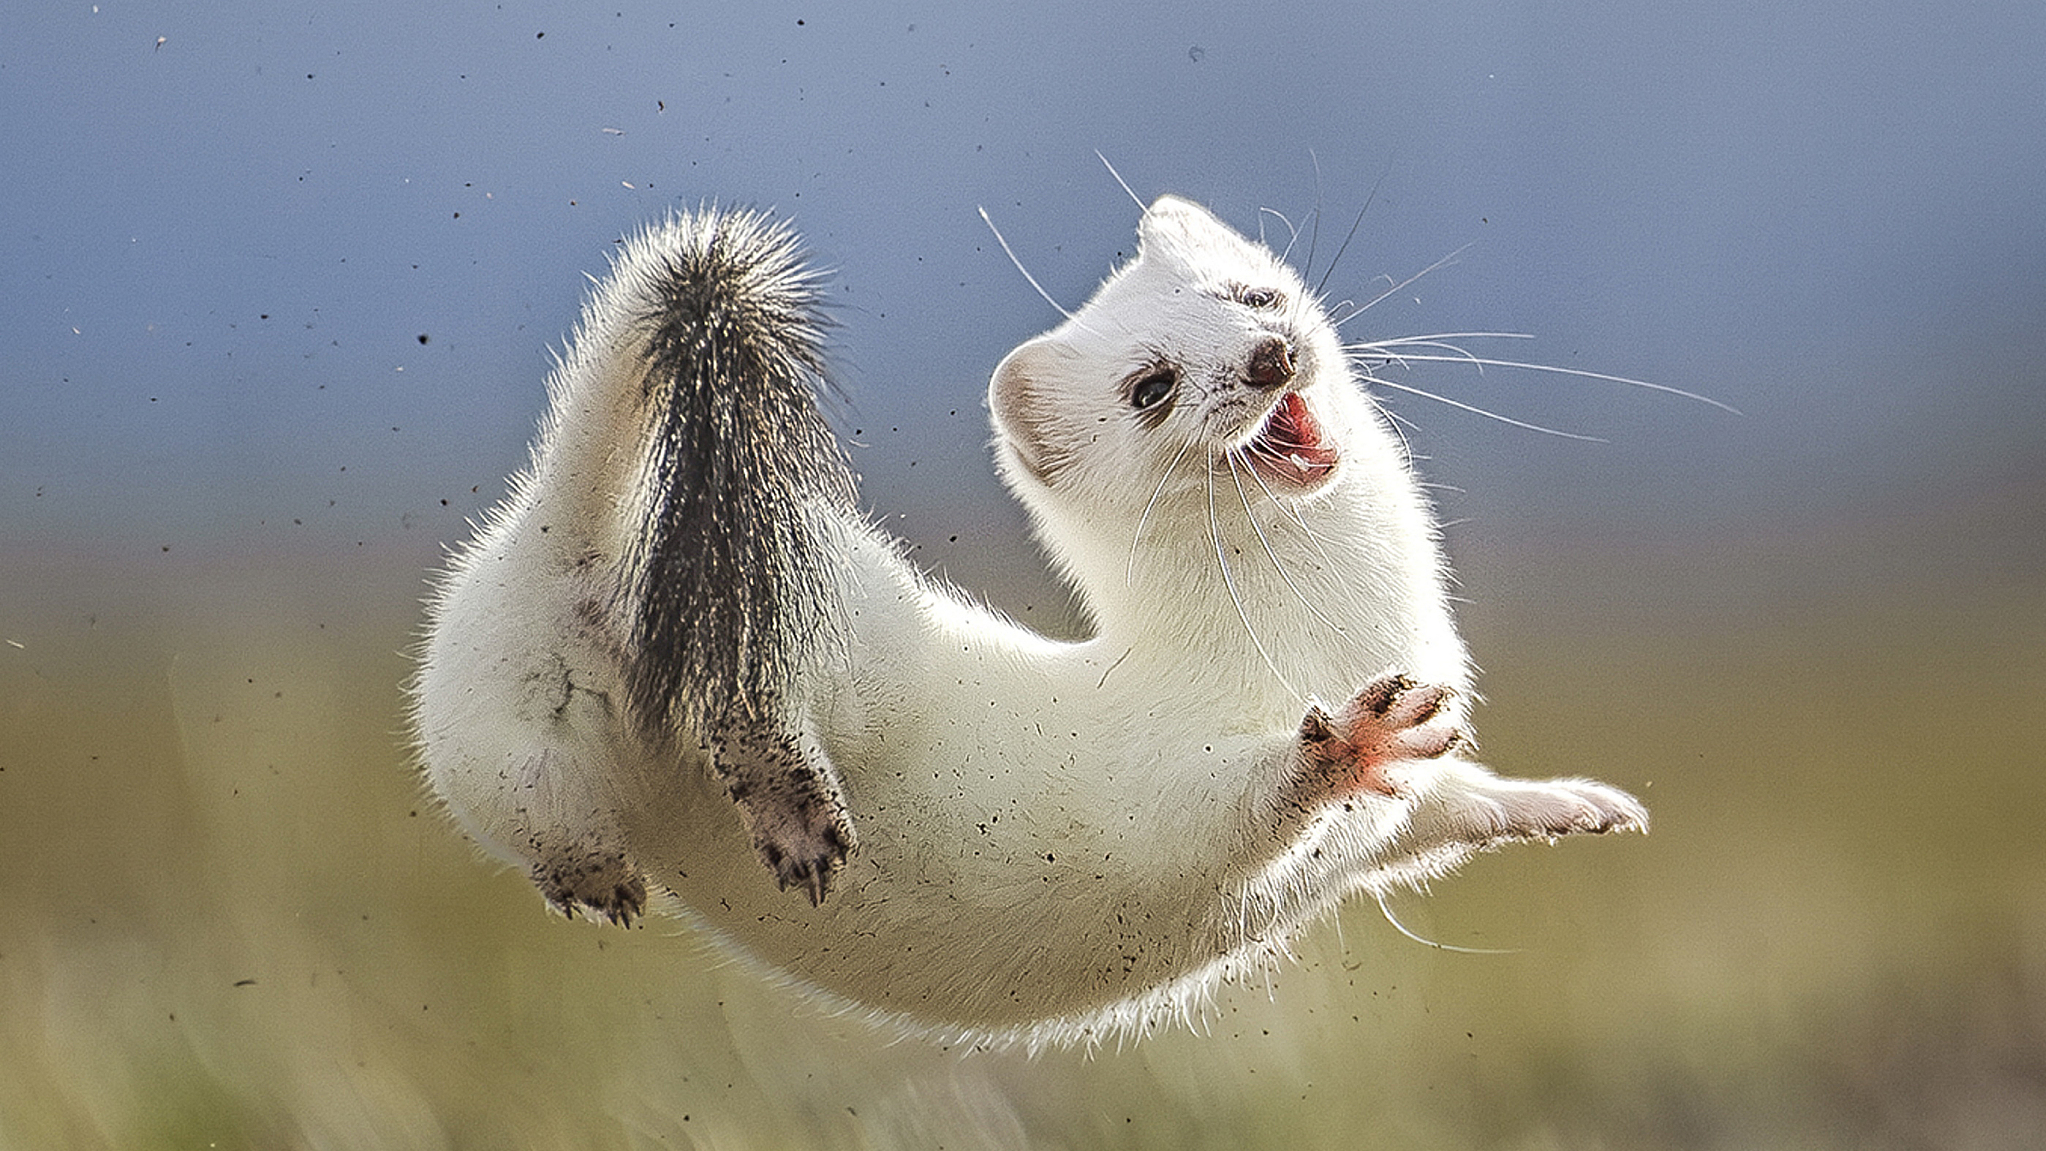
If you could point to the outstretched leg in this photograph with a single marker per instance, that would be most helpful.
(1406, 807)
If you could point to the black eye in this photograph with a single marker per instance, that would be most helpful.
(1258, 297)
(1152, 388)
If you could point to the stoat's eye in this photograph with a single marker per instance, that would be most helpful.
(1260, 298)
(1152, 388)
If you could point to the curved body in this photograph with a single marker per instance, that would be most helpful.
(1035, 840)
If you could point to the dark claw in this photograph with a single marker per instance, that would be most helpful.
(583, 888)
(1318, 726)
(789, 800)
(813, 875)
(818, 880)
(1421, 704)
(1379, 695)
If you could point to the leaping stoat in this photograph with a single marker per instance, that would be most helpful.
(678, 651)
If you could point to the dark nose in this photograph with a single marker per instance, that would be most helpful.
(1271, 365)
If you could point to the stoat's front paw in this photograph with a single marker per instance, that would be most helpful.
(598, 881)
(1392, 719)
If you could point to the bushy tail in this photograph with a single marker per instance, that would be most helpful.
(728, 586)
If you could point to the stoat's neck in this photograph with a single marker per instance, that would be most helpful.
(1306, 599)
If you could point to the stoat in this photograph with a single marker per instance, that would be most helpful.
(678, 664)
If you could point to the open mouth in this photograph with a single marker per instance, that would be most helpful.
(1289, 450)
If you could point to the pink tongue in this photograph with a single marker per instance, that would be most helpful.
(1290, 447)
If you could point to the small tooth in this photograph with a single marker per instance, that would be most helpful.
(1299, 461)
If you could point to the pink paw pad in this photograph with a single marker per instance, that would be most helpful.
(1392, 719)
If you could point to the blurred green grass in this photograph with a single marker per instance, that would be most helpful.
(232, 919)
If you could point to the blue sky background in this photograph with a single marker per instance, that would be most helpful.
(227, 227)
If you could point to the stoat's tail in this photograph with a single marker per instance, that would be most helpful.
(725, 582)
(727, 587)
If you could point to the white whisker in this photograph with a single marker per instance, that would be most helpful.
(1473, 408)
(1118, 179)
(1339, 308)
(1367, 357)
(1402, 929)
(1399, 424)
(1292, 513)
(1292, 233)
(1229, 581)
(1484, 362)
(1130, 574)
(1314, 229)
(1373, 301)
(1432, 337)
(999, 239)
(1394, 350)
(1243, 497)
(1354, 225)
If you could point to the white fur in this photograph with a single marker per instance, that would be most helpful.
(1058, 842)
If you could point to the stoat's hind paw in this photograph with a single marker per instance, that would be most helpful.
(804, 856)
(1392, 719)
(789, 799)
(595, 880)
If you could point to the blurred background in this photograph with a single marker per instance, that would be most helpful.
(279, 284)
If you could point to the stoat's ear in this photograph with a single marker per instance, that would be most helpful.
(1021, 398)
(1177, 228)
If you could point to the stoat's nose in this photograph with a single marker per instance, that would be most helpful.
(1271, 365)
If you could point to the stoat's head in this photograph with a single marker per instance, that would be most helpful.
(1202, 356)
